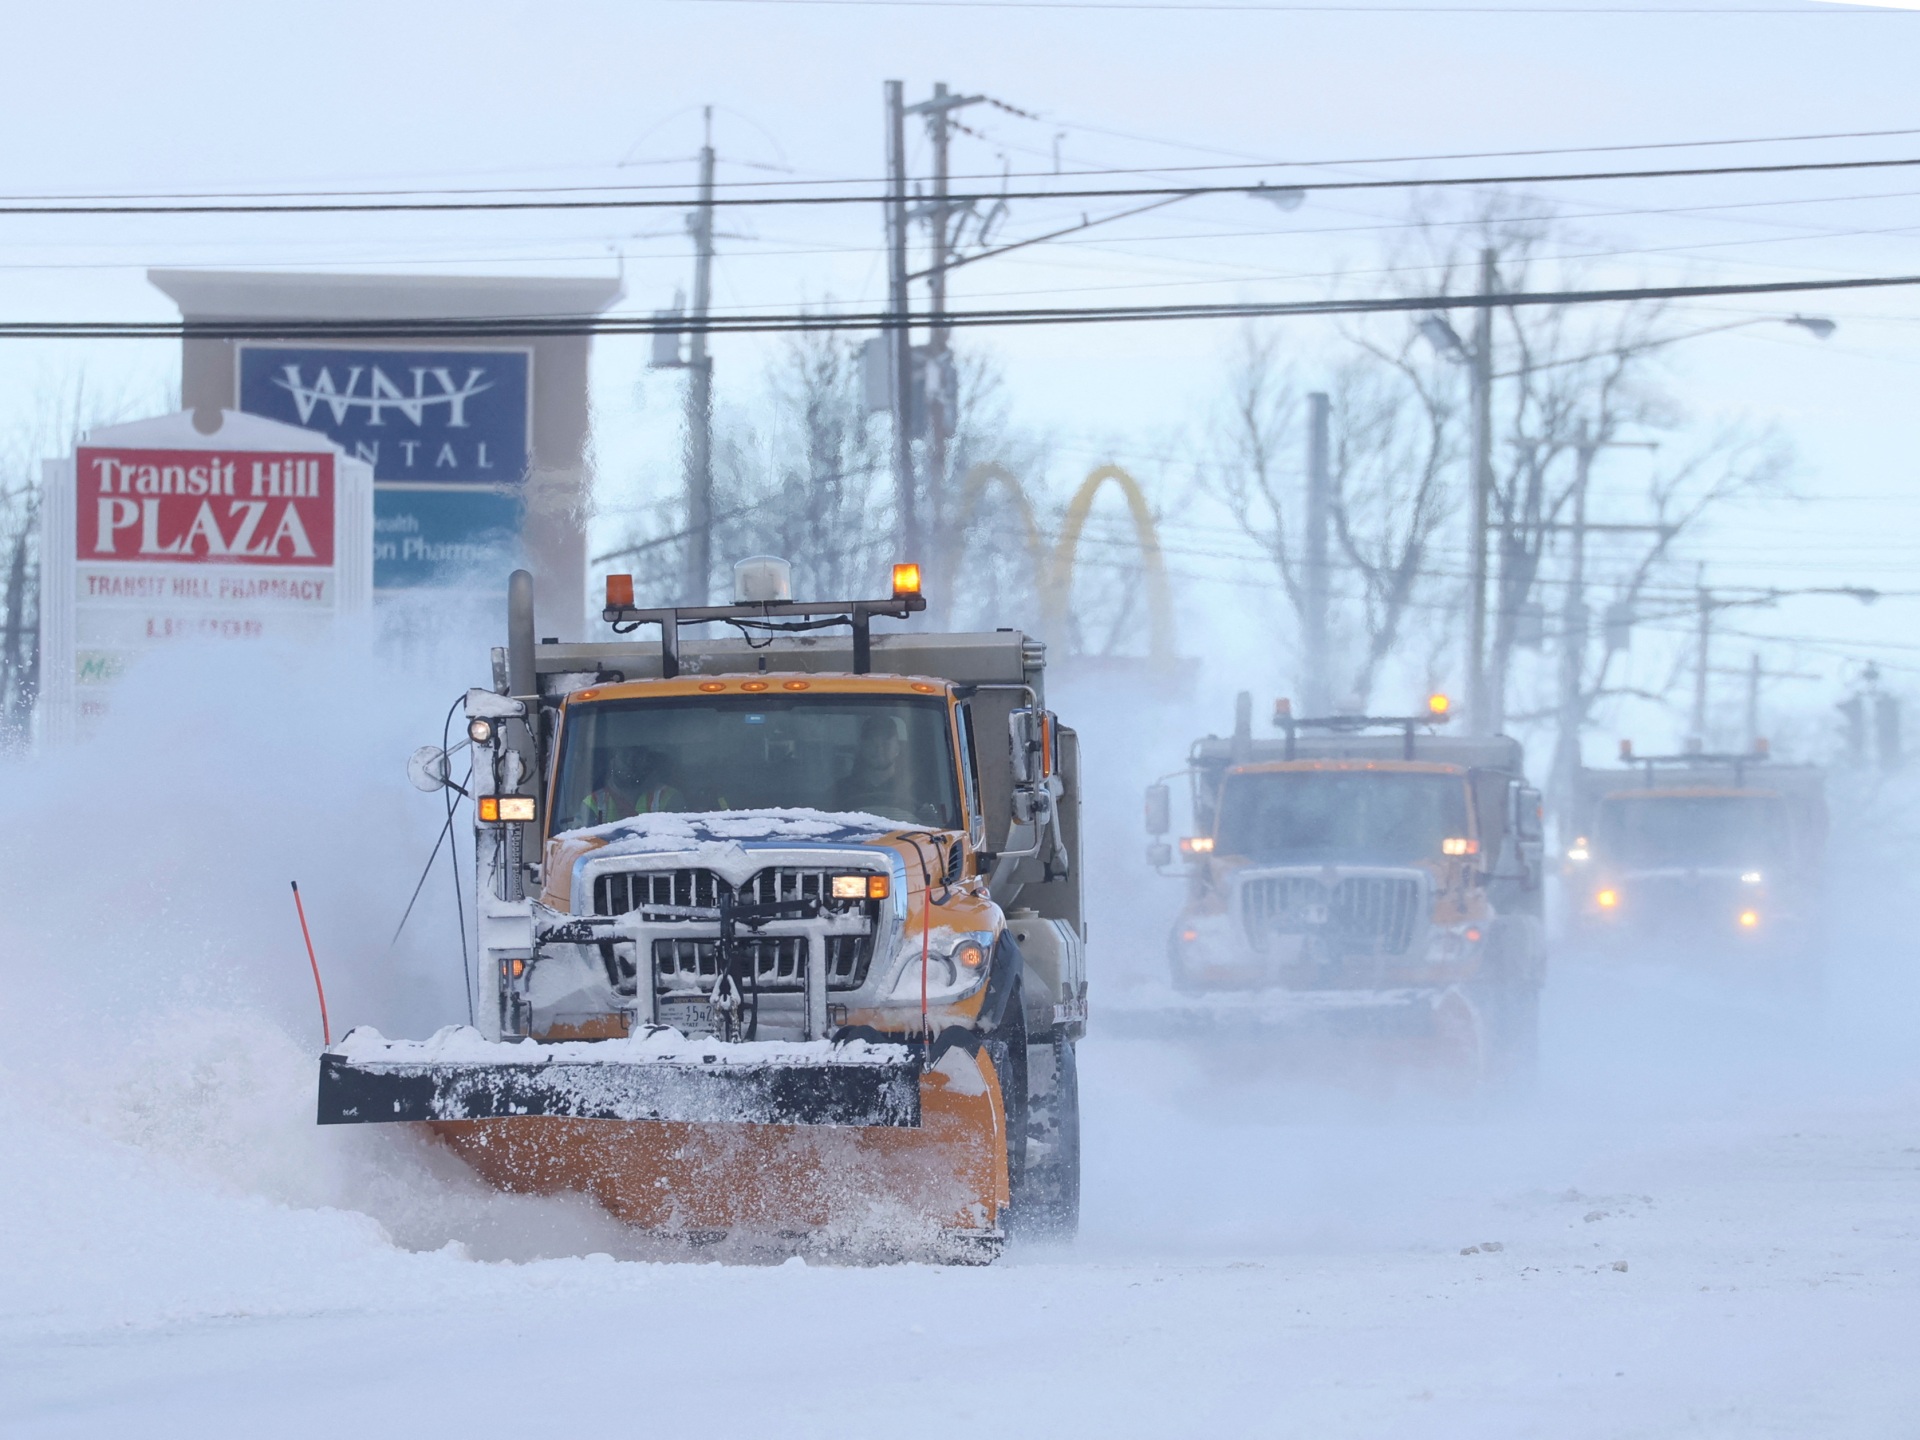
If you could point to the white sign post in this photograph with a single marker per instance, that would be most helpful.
(156, 531)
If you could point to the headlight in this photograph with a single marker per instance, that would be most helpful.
(956, 964)
(859, 887)
(480, 730)
(1752, 877)
(494, 809)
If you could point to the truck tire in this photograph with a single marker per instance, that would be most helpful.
(1049, 1207)
(1007, 1049)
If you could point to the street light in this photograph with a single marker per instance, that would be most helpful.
(1444, 338)
(1817, 326)
(1284, 197)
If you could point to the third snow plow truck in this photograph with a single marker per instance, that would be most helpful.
(1364, 878)
(780, 936)
(1714, 856)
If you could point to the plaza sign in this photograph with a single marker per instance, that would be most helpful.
(156, 532)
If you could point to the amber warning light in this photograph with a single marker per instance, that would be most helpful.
(619, 592)
(906, 580)
(1439, 706)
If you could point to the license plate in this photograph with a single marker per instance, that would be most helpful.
(690, 1017)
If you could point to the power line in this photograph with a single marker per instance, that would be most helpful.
(1216, 6)
(804, 321)
(1245, 163)
(630, 202)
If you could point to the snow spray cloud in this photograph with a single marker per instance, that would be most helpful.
(156, 987)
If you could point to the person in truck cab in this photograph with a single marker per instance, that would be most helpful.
(639, 782)
(879, 783)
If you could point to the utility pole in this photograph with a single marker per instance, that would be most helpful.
(694, 589)
(1319, 688)
(1753, 672)
(936, 372)
(1573, 636)
(900, 347)
(1483, 712)
(1702, 660)
(939, 422)
(1753, 701)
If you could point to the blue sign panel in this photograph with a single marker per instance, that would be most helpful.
(444, 537)
(417, 416)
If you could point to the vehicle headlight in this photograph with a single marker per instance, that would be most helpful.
(1449, 942)
(957, 961)
(1752, 877)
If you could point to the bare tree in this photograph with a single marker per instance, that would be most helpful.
(1395, 448)
(820, 496)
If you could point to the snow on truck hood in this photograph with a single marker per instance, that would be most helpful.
(652, 834)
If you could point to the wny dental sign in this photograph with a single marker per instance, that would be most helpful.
(191, 507)
(193, 527)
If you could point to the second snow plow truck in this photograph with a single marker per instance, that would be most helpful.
(780, 937)
(1365, 877)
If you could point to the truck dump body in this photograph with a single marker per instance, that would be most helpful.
(772, 910)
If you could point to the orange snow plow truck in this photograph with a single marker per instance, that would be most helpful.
(1365, 878)
(780, 936)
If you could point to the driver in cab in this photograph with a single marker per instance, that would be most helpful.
(638, 782)
(879, 783)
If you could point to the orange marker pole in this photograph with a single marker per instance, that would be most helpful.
(326, 1030)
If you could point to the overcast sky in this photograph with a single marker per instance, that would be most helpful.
(239, 97)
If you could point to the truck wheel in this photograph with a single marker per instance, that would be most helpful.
(1049, 1208)
(1008, 1052)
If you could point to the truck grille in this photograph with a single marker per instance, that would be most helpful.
(1379, 914)
(779, 962)
(624, 891)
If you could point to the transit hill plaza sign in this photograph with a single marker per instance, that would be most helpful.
(434, 417)
(192, 506)
(160, 531)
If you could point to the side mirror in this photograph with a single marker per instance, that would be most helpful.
(1160, 855)
(1033, 736)
(1159, 810)
(1026, 735)
(1528, 821)
(427, 769)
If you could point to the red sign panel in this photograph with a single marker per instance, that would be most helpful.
(221, 507)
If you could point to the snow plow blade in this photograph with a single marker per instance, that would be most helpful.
(858, 1144)
(374, 1082)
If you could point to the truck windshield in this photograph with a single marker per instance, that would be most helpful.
(885, 755)
(1687, 830)
(1340, 816)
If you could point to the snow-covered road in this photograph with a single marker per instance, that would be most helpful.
(1708, 1223)
(188, 1254)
